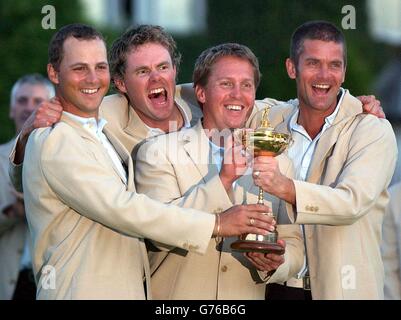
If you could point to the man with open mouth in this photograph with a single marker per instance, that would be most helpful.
(344, 161)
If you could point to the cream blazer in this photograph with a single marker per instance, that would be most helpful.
(391, 245)
(342, 203)
(88, 225)
(175, 168)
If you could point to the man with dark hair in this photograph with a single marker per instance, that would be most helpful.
(339, 194)
(16, 277)
(86, 220)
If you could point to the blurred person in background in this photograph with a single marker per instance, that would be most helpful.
(16, 278)
(391, 245)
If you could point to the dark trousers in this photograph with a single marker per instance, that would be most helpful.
(26, 287)
(276, 291)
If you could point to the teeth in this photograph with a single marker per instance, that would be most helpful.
(155, 91)
(322, 86)
(89, 91)
(234, 107)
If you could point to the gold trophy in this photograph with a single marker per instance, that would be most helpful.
(264, 141)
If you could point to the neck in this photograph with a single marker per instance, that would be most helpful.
(216, 136)
(174, 123)
(313, 120)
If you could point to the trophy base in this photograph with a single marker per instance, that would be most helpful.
(257, 246)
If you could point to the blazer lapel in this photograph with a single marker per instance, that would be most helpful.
(197, 146)
(125, 157)
(349, 107)
(135, 126)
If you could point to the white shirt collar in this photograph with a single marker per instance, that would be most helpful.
(91, 124)
(328, 120)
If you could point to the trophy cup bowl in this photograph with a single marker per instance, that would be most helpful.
(263, 141)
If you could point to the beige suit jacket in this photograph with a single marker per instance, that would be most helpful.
(391, 245)
(342, 203)
(89, 225)
(12, 231)
(175, 168)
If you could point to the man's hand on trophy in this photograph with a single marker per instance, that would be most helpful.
(266, 261)
(244, 219)
(267, 175)
(235, 163)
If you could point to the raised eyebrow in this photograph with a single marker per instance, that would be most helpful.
(337, 62)
(312, 59)
(102, 64)
(163, 63)
(79, 64)
(141, 68)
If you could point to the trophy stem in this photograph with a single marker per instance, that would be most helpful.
(260, 196)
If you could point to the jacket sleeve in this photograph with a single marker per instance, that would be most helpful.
(361, 182)
(89, 186)
(15, 170)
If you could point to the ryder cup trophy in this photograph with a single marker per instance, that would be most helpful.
(264, 141)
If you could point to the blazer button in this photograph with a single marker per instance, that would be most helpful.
(316, 209)
(307, 208)
(224, 268)
(12, 282)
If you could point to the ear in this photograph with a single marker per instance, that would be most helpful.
(52, 74)
(200, 93)
(120, 85)
(345, 72)
(12, 113)
(291, 69)
(175, 72)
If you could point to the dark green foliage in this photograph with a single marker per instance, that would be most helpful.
(23, 45)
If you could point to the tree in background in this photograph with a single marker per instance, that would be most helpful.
(266, 27)
(23, 45)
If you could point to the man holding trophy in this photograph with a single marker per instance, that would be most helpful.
(344, 161)
(178, 167)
